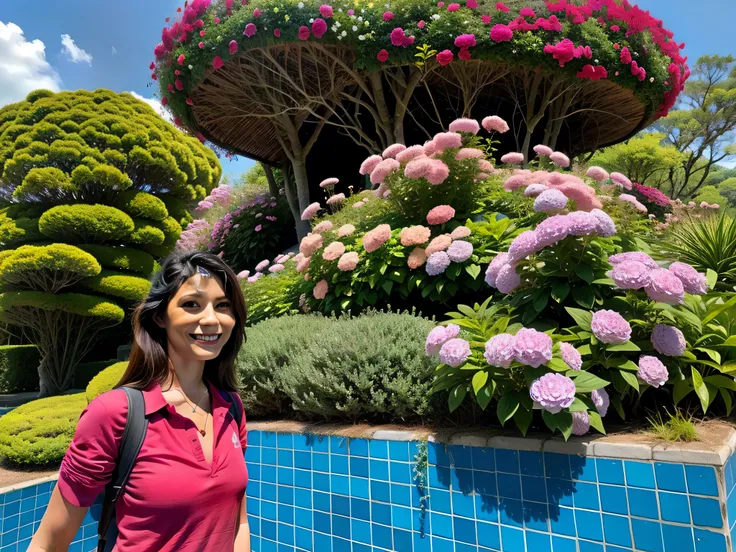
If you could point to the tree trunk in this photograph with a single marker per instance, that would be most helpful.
(273, 189)
(302, 227)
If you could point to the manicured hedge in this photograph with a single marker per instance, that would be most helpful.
(141, 204)
(86, 223)
(122, 258)
(105, 380)
(125, 286)
(18, 368)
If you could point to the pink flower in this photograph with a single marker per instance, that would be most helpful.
(560, 159)
(439, 336)
(250, 30)
(440, 215)
(263, 265)
(201, 45)
(398, 38)
(501, 33)
(444, 57)
(276, 268)
(382, 170)
(580, 423)
(494, 267)
(445, 140)
(320, 290)
(310, 243)
(597, 173)
(527, 12)
(460, 232)
(508, 279)
(329, 182)
(417, 258)
(533, 190)
(437, 263)
(500, 350)
(351, 12)
(310, 211)
(345, 230)
(495, 124)
(553, 392)
(217, 63)
(181, 59)
(625, 56)
(593, 72)
(259, 228)
(303, 264)
(179, 85)
(319, 27)
(652, 371)
(440, 243)
(453, 7)
(486, 19)
(455, 352)
(564, 51)
(471, 4)
(621, 180)
(233, 47)
(256, 13)
(243, 274)
(601, 400)
(322, 227)
(406, 155)
(415, 235)
(421, 24)
(552, 230)
(460, 251)
(693, 281)
(348, 261)
(631, 275)
(513, 158)
(325, 11)
(464, 54)
(369, 164)
(582, 223)
(606, 226)
(610, 327)
(502, 7)
(524, 244)
(388, 16)
(533, 347)
(375, 238)
(665, 287)
(393, 150)
(549, 201)
(543, 150)
(437, 172)
(469, 153)
(571, 356)
(277, 33)
(303, 32)
(465, 125)
(336, 199)
(668, 340)
(333, 251)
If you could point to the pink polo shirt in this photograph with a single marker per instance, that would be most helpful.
(174, 500)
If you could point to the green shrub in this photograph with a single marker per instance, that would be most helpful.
(171, 229)
(74, 303)
(371, 367)
(18, 368)
(15, 231)
(48, 182)
(85, 223)
(105, 380)
(125, 286)
(141, 204)
(67, 263)
(273, 295)
(39, 432)
(88, 370)
(122, 258)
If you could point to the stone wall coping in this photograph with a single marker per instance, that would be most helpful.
(717, 444)
(29, 483)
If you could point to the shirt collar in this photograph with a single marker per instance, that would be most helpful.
(154, 399)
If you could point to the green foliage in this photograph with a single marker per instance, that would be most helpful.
(75, 303)
(31, 265)
(125, 286)
(145, 233)
(16, 231)
(678, 427)
(141, 204)
(122, 258)
(48, 182)
(273, 295)
(709, 194)
(39, 432)
(86, 223)
(367, 217)
(105, 381)
(18, 368)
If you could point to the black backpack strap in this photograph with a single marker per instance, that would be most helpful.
(136, 426)
(235, 411)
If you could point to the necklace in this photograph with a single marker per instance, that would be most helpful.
(202, 431)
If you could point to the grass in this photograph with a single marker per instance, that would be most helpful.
(677, 427)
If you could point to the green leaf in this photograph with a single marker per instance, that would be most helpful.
(584, 296)
(456, 396)
(582, 318)
(507, 407)
(578, 406)
(560, 291)
(540, 301)
(585, 382)
(711, 276)
(479, 380)
(680, 390)
(558, 365)
(523, 419)
(631, 379)
(718, 309)
(700, 389)
(715, 356)
(727, 399)
(387, 286)
(629, 346)
(616, 402)
(473, 270)
(596, 422)
(585, 272)
(561, 420)
(486, 394)
(722, 382)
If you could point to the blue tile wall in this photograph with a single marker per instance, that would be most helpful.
(333, 494)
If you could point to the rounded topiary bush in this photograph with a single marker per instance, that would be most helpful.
(39, 432)
(106, 380)
(124, 286)
(122, 258)
(142, 204)
(93, 223)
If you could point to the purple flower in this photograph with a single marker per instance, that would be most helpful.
(665, 287)
(652, 371)
(552, 230)
(606, 226)
(610, 327)
(494, 267)
(460, 251)
(437, 263)
(533, 347)
(580, 423)
(524, 244)
(438, 336)
(601, 400)
(631, 275)
(263, 265)
(633, 256)
(259, 228)
(553, 392)
(508, 279)
(571, 356)
(668, 340)
(582, 223)
(501, 350)
(454, 352)
(533, 190)
(693, 281)
(550, 200)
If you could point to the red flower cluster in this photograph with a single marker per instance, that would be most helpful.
(521, 24)
(593, 72)
(565, 51)
(399, 38)
(652, 194)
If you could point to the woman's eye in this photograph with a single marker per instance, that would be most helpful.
(189, 304)
(224, 305)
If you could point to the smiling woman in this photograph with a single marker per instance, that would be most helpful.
(187, 333)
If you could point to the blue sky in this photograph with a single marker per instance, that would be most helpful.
(113, 41)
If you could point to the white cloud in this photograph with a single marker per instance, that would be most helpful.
(114, 51)
(23, 65)
(74, 52)
(156, 105)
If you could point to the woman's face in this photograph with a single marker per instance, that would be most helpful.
(199, 319)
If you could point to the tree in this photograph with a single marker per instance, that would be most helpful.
(94, 188)
(703, 128)
(643, 159)
(727, 189)
(709, 194)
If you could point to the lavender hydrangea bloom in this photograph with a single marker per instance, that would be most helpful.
(665, 287)
(552, 230)
(438, 336)
(582, 223)
(631, 275)
(668, 340)
(606, 226)
(533, 190)
(524, 244)
(580, 423)
(263, 265)
(454, 352)
(533, 347)
(494, 267)
(693, 281)
(501, 350)
(652, 371)
(437, 263)
(460, 251)
(553, 392)
(601, 400)
(508, 279)
(610, 327)
(550, 200)
(633, 256)
(571, 356)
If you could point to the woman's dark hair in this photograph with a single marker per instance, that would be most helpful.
(149, 359)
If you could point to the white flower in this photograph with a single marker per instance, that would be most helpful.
(596, 60)
(337, 24)
(300, 5)
(311, 20)
(367, 23)
(339, 9)
(360, 18)
(334, 28)
(339, 37)
(355, 27)
(191, 67)
(651, 79)
(361, 37)
(435, 16)
(344, 33)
